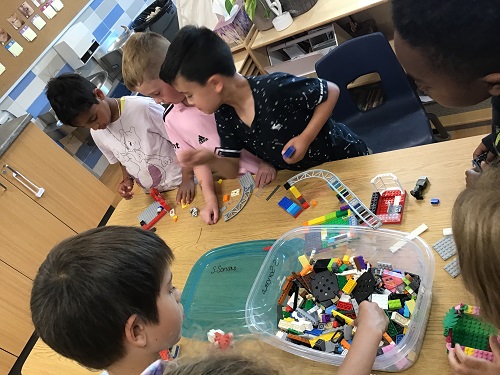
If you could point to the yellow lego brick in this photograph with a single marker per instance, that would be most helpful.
(289, 319)
(219, 181)
(346, 259)
(468, 310)
(349, 286)
(468, 351)
(411, 305)
(294, 191)
(346, 318)
(184, 205)
(318, 221)
(303, 260)
(326, 337)
(405, 330)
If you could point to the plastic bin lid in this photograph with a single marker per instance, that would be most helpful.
(217, 288)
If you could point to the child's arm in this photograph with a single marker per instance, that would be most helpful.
(210, 213)
(127, 185)
(321, 114)
(371, 325)
(186, 191)
(227, 167)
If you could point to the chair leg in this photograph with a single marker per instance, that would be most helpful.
(442, 133)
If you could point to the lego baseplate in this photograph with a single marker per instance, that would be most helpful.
(453, 268)
(445, 247)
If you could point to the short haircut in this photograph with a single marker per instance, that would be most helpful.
(90, 284)
(143, 54)
(70, 95)
(460, 37)
(197, 53)
(220, 364)
(476, 229)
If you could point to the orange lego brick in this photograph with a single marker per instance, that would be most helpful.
(225, 198)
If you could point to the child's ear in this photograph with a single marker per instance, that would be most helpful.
(135, 332)
(99, 94)
(217, 82)
(493, 80)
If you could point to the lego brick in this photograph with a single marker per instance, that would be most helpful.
(324, 285)
(382, 300)
(289, 152)
(453, 268)
(349, 287)
(445, 247)
(273, 192)
(434, 201)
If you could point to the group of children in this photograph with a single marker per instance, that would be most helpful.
(105, 297)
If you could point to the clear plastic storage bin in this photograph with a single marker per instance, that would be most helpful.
(414, 256)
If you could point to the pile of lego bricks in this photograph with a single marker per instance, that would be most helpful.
(318, 305)
(463, 325)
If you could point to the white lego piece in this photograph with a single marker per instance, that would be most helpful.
(235, 192)
(453, 268)
(211, 334)
(172, 213)
(411, 236)
(447, 232)
(382, 300)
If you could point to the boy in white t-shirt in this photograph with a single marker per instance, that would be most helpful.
(128, 131)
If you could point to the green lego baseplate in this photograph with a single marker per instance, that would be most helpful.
(468, 329)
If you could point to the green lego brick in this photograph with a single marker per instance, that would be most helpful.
(342, 268)
(342, 280)
(309, 304)
(391, 327)
(395, 304)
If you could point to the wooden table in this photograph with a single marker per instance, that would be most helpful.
(444, 165)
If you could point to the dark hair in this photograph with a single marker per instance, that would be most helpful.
(90, 284)
(197, 53)
(70, 95)
(460, 37)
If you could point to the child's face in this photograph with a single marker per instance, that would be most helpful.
(160, 91)
(98, 116)
(171, 313)
(206, 98)
(443, 88)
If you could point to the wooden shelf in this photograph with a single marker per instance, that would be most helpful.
(325, 11)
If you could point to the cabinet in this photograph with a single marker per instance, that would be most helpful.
(73, 201)
(72, 194)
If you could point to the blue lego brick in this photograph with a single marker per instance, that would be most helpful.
(399, 338)
(435, 201)
(285, 202)
(289, 152)
(314, 332)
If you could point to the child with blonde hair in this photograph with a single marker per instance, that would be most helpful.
(187, 127)
(476, 214)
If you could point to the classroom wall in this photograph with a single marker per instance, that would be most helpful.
(103, 18)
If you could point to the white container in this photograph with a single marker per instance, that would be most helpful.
(414, 257)
(282, 22)
(77, 45)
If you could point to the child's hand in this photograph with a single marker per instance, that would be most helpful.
(371, 317)
(265, 174)
(462, 364)
(186, 191)
(301, 147)
(481, 149)
(192, 158)
(471, 176)
(125, 188)
(210, 213)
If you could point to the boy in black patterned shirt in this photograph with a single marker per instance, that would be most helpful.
(265, 115)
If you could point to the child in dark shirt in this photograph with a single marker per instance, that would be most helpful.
(451, 50)
(265, 115)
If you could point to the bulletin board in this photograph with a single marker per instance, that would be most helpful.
(15, 67)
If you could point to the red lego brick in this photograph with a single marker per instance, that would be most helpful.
(346, 306)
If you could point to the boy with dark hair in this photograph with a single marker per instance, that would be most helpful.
(450, 48)
(266, 115)
(105, 299)
(128, 131)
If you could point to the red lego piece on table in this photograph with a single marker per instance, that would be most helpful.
(224, 340)
(391, 206)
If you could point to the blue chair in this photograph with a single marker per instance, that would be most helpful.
(400, 121)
